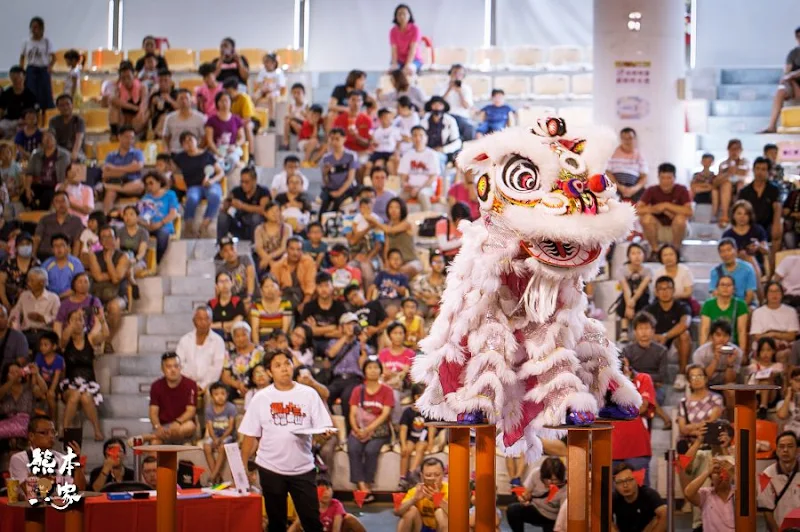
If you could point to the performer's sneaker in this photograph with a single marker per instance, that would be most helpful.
(612, 411)
(580, 418)
(471, 418)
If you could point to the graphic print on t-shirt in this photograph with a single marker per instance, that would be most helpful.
(287, 414)
(419, 166)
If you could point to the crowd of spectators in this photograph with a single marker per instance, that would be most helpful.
(347, 315)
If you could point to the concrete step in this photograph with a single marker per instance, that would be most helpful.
(142, 365)
(699, 251)
(124, 406)
(199, 286)
(745, 76)
(705, 231)
(746, 92)
(736, 125)
(157, 343)
(718, 141)
(175, 325)
(151, 294)
(204, 267)
(202, 249)
(700, 289)
(178, 304)
(131, 384)
(741, 108)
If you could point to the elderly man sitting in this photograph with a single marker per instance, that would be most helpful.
(202, 351)
(36, 307)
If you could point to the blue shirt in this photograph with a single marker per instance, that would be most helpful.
(744, 278)
(133, 155)
(154, 209)
(60, 279)
(496, 117)
(28, 143)
(339, 169)
(48, 371)
(309, 248)
(386, 290)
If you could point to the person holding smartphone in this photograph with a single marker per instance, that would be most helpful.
(425, 506)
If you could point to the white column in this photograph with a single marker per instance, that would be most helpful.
(652, 109)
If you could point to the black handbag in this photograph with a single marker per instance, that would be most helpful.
(427, 228)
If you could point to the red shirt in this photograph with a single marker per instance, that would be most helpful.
(326, 518)
(172, 402)
(679, 195)
(373, 403)
(631, 439)
(363, 124)
(306, 130)
(459, 192)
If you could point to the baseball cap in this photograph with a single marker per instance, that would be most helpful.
(348, 317)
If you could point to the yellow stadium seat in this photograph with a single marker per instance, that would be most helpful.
(245, 152)
(566, 55)
(262, 115)
(190, 83)
(178, 225)
(254, 56)
(60, 64)
(550, 85)
(106, 60)
(150, 259)
(489, 58)
(102, 149)
(290, 58)
(160, 147)
(135, 54)
(57, 86)
(385, 83)
(430, 83)
(582, 85)
(91, 88)
(181, 59)
(513, 86)
(31, 217)
(447, 56)
(527, 116)
(481, 86)
(96, 120)
(50, 113)
(790, 118)
(576, 116)
(527, 56)
(208, 55)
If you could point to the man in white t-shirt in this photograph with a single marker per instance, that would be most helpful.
(418, 169)
(291, 166)
(781, 492)
(284, 459)
(42, 435)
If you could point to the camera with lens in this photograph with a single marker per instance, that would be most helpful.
(357, 329)
(457, 83)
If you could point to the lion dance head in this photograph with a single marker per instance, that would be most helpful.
(548, 187)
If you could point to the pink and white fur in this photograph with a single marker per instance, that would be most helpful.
(512, 338)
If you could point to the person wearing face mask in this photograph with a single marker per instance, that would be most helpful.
(14, 270)
(443, 134)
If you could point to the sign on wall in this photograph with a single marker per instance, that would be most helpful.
(633, 86)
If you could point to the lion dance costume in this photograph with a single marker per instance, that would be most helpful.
(512, 343)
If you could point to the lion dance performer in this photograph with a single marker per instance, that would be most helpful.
(512, 344)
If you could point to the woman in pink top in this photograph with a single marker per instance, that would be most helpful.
(129, 104)
(464, 191)
(404, 38)
(206, 94)
(81, 197)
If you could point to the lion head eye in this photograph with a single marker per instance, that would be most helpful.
(521, 175)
